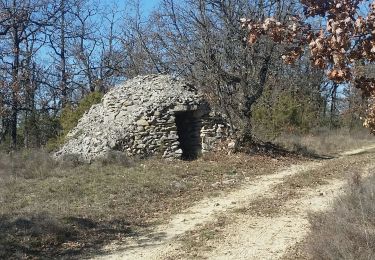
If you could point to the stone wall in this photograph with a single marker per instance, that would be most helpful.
(147, 115)
(214, 131)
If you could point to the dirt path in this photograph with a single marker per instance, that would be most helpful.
(267, 236)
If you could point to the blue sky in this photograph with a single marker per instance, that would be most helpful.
(127, 6)
(146, 5)
(149, 4)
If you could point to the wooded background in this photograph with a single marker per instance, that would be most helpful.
(57, 58)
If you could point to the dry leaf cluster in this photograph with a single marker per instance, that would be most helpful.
(346, 41)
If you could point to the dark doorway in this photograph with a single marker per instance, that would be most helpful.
(188, 130)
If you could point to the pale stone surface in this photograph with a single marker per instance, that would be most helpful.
(139, 118)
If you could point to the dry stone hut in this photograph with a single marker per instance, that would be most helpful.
(147, 115)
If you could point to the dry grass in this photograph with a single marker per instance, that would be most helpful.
(348, 230)
(325, 141)
(27, 164)
(338, 168)
(66, 211)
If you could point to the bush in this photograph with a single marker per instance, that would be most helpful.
(70, 116)
(348, 231)
(286, 113)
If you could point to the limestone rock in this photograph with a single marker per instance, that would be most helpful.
(142, 122)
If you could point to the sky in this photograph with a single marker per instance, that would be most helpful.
(149, 4)
(146, 5)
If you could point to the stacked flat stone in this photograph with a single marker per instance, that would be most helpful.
(138, 118)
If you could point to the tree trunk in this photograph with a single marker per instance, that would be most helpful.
(250, 99)
(13, 123)
(333, 116)
(15, 88)
(64, 77)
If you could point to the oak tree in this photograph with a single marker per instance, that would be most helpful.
(343, 45)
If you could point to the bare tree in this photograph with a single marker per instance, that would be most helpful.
(203, 41)
(21, 20)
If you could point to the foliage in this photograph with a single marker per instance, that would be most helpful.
(38, 128)
(347, 39)
(5, 145)
(288, 113)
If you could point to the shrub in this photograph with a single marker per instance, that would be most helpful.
(70, 161)
(286, 113)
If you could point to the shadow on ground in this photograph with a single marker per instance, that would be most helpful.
(274, 150)
(41, 236)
